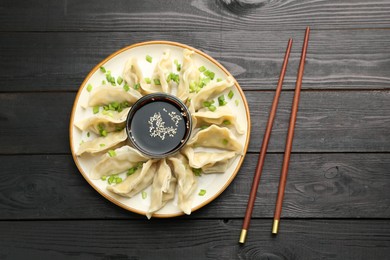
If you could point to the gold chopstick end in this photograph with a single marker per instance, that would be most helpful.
(243, 236)
(275, 227)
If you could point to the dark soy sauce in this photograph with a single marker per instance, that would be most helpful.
(158, 126)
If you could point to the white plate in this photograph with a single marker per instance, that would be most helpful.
(214, 184)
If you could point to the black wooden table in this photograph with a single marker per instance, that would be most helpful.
(337, 197)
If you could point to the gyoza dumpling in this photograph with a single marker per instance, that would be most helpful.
(186, 182)
(126, 157)
(162, 70)
(132, 73)
(102, 143)
(106, 94)
(208, 92)
(216, 137)
(188, 73)
(209, 162)
(137, 181)
(222, 116)
(110, 122)
(163, 188)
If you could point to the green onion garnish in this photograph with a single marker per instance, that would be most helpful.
(132, 170)
(212, 108)
(225, 141)
(95, 110)
(111, 153)
(230, 94)
(102, 69)
(208, 103)
(202, 69)
(196, 171)
(111, 179)
(126, 87)
(237, 102)
(227, 122)
(156, 82)
(104, 178)
(174, 77)
(136, 86)
(209, 74)
(219, 79)
(148, 81)
(88, 134)
(202, 192)
(119, 80)
(104, 82)
(144, 194)
(102, 145)
(203, 127)
(221, 100)
(178, 66)
(103, 133)
(149, 58)
(118, 180)
(89, 87)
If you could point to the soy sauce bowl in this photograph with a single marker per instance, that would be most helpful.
(159, 125)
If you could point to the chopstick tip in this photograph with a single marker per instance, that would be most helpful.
(242, 236)
(275, 227)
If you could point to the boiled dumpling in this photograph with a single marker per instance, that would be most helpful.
(187, 182)
(188, 73)
(162, 70)
(102, 143)
(126, 157)
(222, 116)
(110, 122)
(210, 162)
(106, 94)
(132, 73)
(216, 137)
(163, 187)
(208, 92)
(136, 182)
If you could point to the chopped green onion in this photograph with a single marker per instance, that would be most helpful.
(104, 178)
(221, 100)
(156, 82)
(230, 94)
(103, 133)
(202, 192)
(203, 127)
(136, 86)
(209, 74)
(104, 82)
(225, 141)
(202, 69)
(119, 80)
(102, 69)
(102, 145)
(111, 179)
(118, 128)
(132, 170)
(88, 134)
(126, 87)
(149, 58)
(144, 194)
(219, 79)
(208, 103)
(174, 77)
(95, 110)
(89, 87)
(178, 66)
(148, 81)
(227, 122)
(212, 108)
(118, 180)
(237, 102)
(111, 153)
(197, 171)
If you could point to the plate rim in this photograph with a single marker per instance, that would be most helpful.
(180, 45)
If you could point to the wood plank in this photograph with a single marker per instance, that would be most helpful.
(319, 186)
(336, 60)
(341, 121)
(200, 239)
(197, 15)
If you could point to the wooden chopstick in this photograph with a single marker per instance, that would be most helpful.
(263, 151)
(290, 136)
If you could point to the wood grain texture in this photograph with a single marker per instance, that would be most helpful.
(327, 122)
(318, 186)
(195, 15)
(336, 60)
(200, 239)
